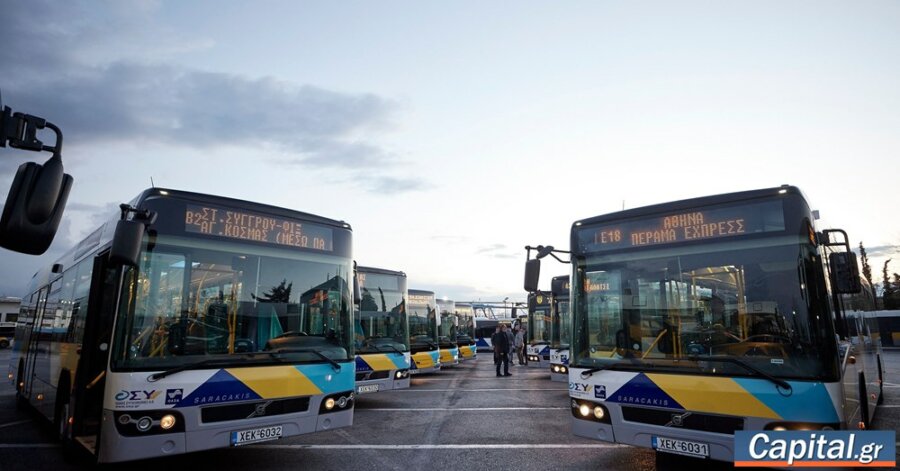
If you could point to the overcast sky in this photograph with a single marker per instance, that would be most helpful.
(452, 134)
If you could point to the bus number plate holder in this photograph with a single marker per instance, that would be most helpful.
(680, 447)
(256, 435)
(367, 388)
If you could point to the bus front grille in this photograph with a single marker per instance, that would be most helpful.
(253, 409)
(684, 419)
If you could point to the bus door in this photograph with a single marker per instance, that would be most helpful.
(90, 380)
(31, 353)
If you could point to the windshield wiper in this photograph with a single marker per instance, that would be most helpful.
(390, 345)
(189, 366)
(778, 382)
(334, 365)
(612, 366)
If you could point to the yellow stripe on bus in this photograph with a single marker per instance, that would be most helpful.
(378, 362)
(276, 381)
(714, 395)
(423, 360)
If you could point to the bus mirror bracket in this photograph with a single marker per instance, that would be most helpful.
(38, 194)
(126, 246)
(842, 265)
(533, 265)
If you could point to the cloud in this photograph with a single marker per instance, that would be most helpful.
(882, 250)
(497, 251)
(124, 100)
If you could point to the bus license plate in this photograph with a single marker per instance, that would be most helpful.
(256, 435)
(368, 388)
(681, 447)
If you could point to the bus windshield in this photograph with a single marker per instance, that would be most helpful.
(382, 325)
(681, 308)
(465, 323)
(539, 330)
(193, 299)
(422, 324)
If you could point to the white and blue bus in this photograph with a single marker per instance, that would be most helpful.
(382, 331)
(190, 322)
(465, 332)
(696, 318)
(538, 346)
(447, 332)
(423, 332)
(560, 328)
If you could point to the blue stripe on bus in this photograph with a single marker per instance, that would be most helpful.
(328, 380)
(808, 402)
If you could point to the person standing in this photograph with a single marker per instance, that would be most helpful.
(512, 342)
(520, 345)
(501, 349)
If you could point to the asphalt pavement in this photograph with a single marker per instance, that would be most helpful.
(461, 418)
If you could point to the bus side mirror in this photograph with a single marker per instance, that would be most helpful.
(126, 246)
(845, 272)
(34, 207)
(357, 294)
(532, 274)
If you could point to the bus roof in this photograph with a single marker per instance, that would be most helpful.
(380, 271)
(188, 195)
(690, 203)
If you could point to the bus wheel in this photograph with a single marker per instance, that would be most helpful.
(863, 401)
(880, 381)
(4, 343)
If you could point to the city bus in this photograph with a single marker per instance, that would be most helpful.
(381, 331)
(465, 333)
(423, 332)
(560, 328)
(696, 318)
(189, 322)
(447, 333)
(538, 347)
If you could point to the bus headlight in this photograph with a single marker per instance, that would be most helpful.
(329, 403)
(144, 423)
(167, 421)
(337, 402)
(555, 368)
(587, 410)
(563, 369)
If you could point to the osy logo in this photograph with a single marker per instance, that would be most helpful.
(580, 387)
(137, 395)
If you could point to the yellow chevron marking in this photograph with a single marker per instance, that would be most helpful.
(276, 381)
(446, 356)
(423, 360)
(715, 395)
(379, 362)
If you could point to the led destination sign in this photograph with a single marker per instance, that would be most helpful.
(685, 226)
(421, 299)
(243, 225)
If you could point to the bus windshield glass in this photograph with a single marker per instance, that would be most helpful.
(680, 308)
(382, 325)
(196, 299)
(539, 330)
(422, 323)
(465, 323)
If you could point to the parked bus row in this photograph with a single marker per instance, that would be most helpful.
(188, 322)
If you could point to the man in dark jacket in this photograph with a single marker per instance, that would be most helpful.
(501, 349)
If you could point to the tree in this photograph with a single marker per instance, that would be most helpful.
(889, 292)
(278, 294)
(867, 270)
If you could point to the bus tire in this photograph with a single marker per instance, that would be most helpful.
(4, 343)
(880, 381)
(863, 401)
